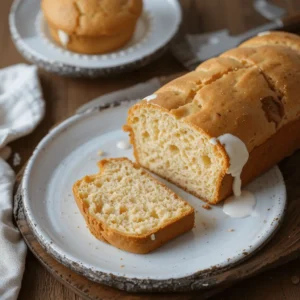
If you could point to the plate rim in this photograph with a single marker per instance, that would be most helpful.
(194, 281)
(66, 69)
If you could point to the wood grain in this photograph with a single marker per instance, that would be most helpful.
(64, 95)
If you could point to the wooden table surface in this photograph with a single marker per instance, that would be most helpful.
(64, 95)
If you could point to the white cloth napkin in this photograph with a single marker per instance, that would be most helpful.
(21, 108)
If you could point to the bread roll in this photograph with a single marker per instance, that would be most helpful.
(93, 26)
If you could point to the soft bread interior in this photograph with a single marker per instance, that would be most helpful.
(177, 152)
(127, 199)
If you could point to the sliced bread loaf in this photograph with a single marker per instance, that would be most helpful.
(127, 208)
(220, 126)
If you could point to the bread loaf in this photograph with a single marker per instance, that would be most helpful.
(126, 207)
(225, 123)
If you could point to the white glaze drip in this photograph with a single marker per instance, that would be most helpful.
(213, 141)
(153, 237)
(151, 97)
(238, 156)
(123, 145)
(264, 33)
(63, 37)
(240, 207)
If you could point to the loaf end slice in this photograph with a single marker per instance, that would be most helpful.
(126, 207)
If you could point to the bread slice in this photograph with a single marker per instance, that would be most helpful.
(127, 208)
(226, 122)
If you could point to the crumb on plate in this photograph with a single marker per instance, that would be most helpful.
(100, 153)
(206, 206)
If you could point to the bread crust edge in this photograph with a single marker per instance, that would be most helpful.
(261, 158)
(139, 244)
(223, 176)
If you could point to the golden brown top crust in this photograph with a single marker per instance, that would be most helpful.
(249, 91)
(92, 17)
(182, 90)
(281, 68)
(234, 110)
(282, 38)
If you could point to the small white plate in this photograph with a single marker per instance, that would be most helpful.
(69, 152)
(156, 28)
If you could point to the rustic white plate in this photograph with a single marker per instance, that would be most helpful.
(155, 29)
(69, 152)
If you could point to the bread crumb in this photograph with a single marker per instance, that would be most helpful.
(295, 279)
(122, 266)
(100, 153)
(16, 159)
(153, 237)
(230, 230)
(206, 206)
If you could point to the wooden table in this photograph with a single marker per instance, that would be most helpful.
(64, 95)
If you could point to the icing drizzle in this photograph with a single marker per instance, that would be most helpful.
(240, 207)
(151, 97)
(123, 145)
(63, 37)
(238, 156)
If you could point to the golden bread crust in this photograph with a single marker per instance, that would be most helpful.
(93, 45)
(278, 146)
(140, 244)
(281, 68)
(94, 26)
(280, 38)
(251, 92)
(93, 17)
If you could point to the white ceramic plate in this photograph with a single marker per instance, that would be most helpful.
(69, 152)
(155, 29)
